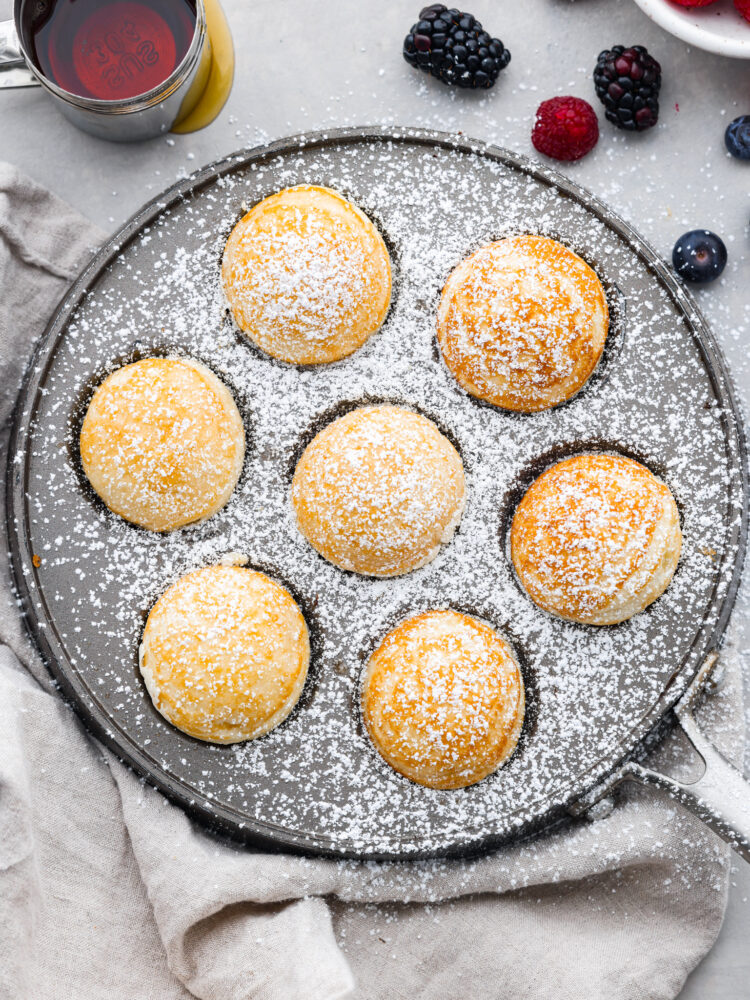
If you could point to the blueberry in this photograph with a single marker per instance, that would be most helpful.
(737, 137)
(699, 256)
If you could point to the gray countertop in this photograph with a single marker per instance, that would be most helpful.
(304, 65)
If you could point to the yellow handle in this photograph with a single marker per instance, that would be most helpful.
(220, 77)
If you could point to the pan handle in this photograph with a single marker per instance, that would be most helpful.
(720, 797)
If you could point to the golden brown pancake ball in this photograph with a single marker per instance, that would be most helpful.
(522, 323)
(162, 443)
(307, 275)
(596, 539)
(225, 654)
(379, 490)
(443, 699)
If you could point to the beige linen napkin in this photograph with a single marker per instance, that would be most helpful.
(107, 889)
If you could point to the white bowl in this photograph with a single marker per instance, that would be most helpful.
(717, 28)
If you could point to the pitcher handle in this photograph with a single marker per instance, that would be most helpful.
(14, 71)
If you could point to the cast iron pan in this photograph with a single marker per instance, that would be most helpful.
(595, 696)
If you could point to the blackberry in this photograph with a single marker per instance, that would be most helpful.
(455, 48)
(627, 83)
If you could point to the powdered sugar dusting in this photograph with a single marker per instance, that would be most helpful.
(595, 538)
(379, 490)
(307, 276)
(522, 323)
(308, 280)
(162, 443)
(317, 776)
(443, 699)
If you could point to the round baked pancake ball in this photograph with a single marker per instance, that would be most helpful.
(596, 539)
(522, 323)
(225, 654)
(162, 443)
(443, 699)
(379, 490)
(307, 275)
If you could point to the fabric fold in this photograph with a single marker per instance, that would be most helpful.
(107, 887)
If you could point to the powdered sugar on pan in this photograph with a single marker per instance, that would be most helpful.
(316, 777)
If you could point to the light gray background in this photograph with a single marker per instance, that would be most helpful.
(307, 64)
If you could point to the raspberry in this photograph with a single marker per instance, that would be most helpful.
(743, 6)
(566, 128)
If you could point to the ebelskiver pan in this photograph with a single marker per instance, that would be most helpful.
(78, 656)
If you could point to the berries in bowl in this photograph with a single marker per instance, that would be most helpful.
(720, 26)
